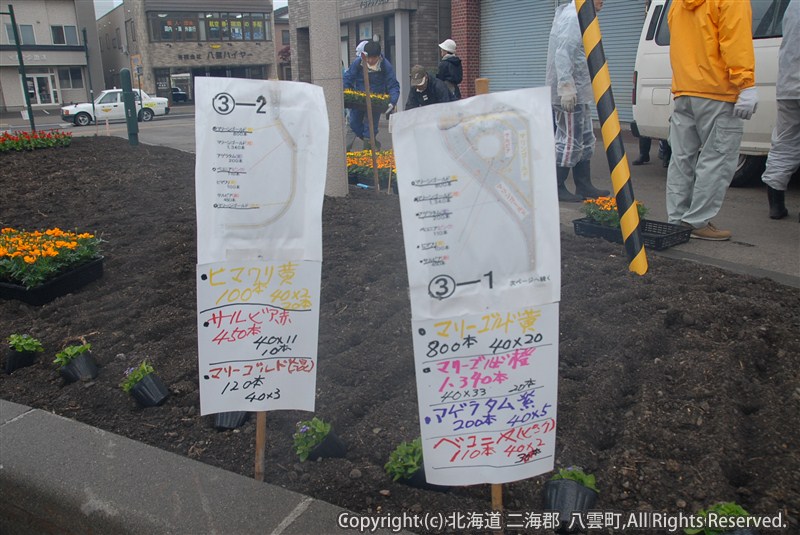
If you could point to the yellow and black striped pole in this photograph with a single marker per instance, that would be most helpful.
(612, 135)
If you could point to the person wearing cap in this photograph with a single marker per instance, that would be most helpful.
(450, 70)
(425, 89)
(382, 79)
(571, 97)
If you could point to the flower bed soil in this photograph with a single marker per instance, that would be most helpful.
(677, 389)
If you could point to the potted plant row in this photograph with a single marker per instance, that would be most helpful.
(314, 439)
(144, 385)
(358, 100)
(38, 266)
(76, 363)
(405, 465)
(602, 221)
(570, 490)
(721, 509)
(22, 350)
(359, 169)
(230, 420)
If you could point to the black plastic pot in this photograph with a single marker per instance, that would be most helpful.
(81, 368)
(330, 447)
(230, 420)
(418, 480)
(19, 359)
(150, 391)
(566, 497)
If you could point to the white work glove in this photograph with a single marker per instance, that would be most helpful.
(746, 104)
(568, 102)
(389, 110)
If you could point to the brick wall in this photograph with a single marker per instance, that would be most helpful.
(466, 32)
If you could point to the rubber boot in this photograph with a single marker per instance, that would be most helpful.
(564, 195)
(583, 182)
(777, 203)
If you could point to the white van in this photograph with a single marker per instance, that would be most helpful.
(652, 79)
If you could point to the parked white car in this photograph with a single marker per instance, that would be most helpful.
(109, 105)
(653, 106)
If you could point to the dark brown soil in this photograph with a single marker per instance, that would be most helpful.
(677, 389)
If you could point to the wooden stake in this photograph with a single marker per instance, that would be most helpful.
(261, 443)
(369, 120)
(497, 501)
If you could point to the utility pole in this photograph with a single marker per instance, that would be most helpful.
(14, 28)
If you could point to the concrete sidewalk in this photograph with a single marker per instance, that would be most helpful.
(61, 476)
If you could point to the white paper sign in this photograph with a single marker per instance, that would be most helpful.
(481, 228)
(262, 151)
(479, 204)
(487, 391)
(258, 326)
(260, 181)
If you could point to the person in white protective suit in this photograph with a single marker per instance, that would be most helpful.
(784, 155)
(571, 92)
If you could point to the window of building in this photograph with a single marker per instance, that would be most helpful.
(65, 35)
(173, 26)
(208, 26)
(234, 27)
(211, 25)
(70, 78)
(25, 33)
(119, 39)
(364, 30)
(285, 39)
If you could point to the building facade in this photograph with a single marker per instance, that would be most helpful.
(59, 68)
(283, 43)
(168, 43)
(506, 42)
(409, 32)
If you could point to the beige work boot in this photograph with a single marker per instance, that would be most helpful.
(710, 232)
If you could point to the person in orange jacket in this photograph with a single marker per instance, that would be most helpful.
(713, 82)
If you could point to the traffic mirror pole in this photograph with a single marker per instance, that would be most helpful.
(131, 117)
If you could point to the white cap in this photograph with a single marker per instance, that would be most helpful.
(360, 48)
(448, 45)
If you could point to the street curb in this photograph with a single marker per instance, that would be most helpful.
(61, 476)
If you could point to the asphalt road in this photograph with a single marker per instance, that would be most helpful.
(760, 246)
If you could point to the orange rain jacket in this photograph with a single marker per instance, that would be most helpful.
(711, 48)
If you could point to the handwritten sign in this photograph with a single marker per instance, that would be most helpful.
(481, 229)
(260, 175)
(258, 325)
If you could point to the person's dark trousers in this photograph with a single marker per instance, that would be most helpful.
(581, 174)
(664, 152)
(644, 151)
